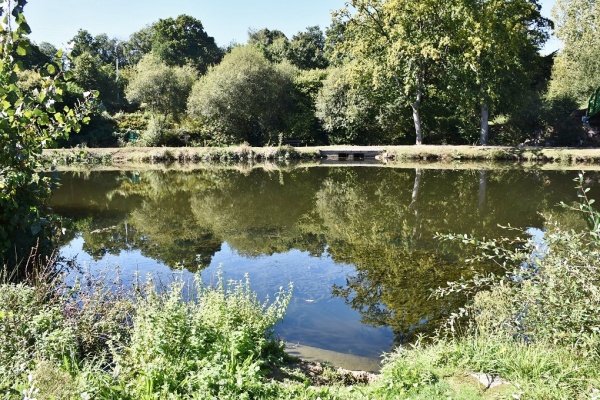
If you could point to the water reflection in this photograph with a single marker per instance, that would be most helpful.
(366, 234)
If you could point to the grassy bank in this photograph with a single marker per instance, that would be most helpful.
(125, 155)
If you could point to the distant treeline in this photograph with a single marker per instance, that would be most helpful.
(383, 72)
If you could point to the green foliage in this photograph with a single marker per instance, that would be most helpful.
(344, 111)
(90, 73)
(538, 370)
(245, 98)
(183, 41)
(409, 54)
(576, 73)
(33, 328)
(273, 44)
(163, 88)
(561, 127)
(548, 292)
(38, 56)
(307, 49)
(351, 113)
(31, 121)
(487, 78)
(138, 45)
(100, 47)
(213, 346)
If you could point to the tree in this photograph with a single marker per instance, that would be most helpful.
(401, 42)
(273, 44)
(165, 89)
(307, 49)
(488, 74)
(183, 41)
(346, 112)
(101, 46)
(29, 123)
(576, 71)
(244, 98)
(138, 45)
(91, 74)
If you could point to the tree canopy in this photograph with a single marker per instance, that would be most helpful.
(164, 88)
(182, 41)
(244, 98)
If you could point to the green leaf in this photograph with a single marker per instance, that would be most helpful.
(22, 48)
(51, 69)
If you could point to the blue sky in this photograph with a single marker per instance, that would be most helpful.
(226, 20)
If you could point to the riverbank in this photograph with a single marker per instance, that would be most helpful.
(390, 154)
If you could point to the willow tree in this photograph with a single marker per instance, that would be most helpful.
(244, 99)
(163, 88)
(403, 43)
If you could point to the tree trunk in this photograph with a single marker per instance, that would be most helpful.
(483, 139)
(416, 187)
(414, 200)
(417, 117)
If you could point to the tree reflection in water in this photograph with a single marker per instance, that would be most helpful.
(381, 220)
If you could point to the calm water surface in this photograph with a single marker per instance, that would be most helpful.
(357, 242)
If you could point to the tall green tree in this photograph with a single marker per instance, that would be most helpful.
(497, 50)
(90, 73)
(138, 45)
(576, 70)
(182, 41)
(346, 111)
(403, 43)
(307, 49)
(273, 43)
(101, 46)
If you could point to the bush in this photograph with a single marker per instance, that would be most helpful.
(244, 99)
(549, 291)
(32, 328)
(212, 343)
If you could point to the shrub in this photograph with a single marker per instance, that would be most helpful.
(214, 344)
(32, 328)
(549, 291)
